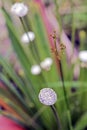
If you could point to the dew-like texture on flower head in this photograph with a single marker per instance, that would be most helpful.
(35, 70)
(83, 56)
(19, 9)
(27, 37)
(46, 64)
(47, 96)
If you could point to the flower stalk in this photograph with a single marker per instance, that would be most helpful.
(58, 56)
(65, 97)
(33, 47)
(25, 28)
(56, 117)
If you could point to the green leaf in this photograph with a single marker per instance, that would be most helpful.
(15, 93)
(81, 123)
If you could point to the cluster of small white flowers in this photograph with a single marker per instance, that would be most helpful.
(28, 37)
(19, 9)
(47, 96)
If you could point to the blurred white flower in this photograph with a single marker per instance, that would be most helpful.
(20, 9)
(83, 56)
(46, 64)
(27, 37)
(47, 96)
(35, 70)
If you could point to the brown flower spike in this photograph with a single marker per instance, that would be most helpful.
(61, 46)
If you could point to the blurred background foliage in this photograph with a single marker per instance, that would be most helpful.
(19, 89)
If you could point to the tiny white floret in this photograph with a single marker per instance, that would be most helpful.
(47, 96)
(35, 70)
(19, 9)
(27, 37)
(83, 56)
(46, 64)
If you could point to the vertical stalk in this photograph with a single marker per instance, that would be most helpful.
(65, 96)
(60, 65)
(56, 117)
(62, 78)
(73, 25)
(34, 47)
(26, 30)
(58, 17)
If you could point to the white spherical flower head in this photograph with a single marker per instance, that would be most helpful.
(20, 9)
(83, 56)
(27, 37)
(46, 64)
(47, 96)
(35, 70)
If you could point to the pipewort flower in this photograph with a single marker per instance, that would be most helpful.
(35, 70)
(25, 36)
(48, 96)
(19, 9)
(46, 64)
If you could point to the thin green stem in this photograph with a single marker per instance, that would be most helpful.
(56, 117)
(73, 25)
(26, 30)
(58, 17)
(33, 45)
(60, 65)
(65, 95)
